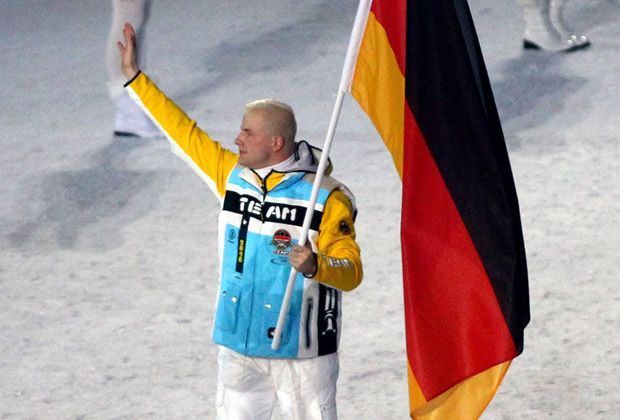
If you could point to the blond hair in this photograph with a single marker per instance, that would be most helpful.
(280, 119)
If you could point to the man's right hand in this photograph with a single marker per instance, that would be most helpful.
(129, 63)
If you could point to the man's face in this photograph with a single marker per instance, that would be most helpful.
(254, 142)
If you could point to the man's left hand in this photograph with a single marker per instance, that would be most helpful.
(303, 259)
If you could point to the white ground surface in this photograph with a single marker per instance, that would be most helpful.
(108, 253)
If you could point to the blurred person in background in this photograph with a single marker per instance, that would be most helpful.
(130, 120)
(545, 27)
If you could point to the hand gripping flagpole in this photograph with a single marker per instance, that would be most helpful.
(345, 83)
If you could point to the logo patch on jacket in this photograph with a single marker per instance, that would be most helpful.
(282, 241)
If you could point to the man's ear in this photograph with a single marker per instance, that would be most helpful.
(278, 143)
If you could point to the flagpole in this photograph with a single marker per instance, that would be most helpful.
(345, 82)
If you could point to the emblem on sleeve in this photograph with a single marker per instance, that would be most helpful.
(282, 241)
(344, 227)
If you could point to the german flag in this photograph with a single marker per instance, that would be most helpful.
(421, 78)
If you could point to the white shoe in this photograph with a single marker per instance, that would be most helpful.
(131, 121)
(569, 44)
(557, 20)
(544, 28)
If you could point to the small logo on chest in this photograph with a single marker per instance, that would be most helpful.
(282, 241)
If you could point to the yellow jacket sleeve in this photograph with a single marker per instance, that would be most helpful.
(339, 263)
(206, 156)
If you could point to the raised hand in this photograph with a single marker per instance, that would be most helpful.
(128, 51)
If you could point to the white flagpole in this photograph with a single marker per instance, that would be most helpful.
(345, 83)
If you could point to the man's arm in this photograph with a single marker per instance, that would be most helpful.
(206, 156)
(338, 263)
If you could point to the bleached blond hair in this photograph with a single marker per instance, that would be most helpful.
(280, 119)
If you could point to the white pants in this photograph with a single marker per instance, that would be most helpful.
(248, 387)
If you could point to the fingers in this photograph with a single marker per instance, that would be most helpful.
(128, 32)
(303, 259)
(299, 248)
(130, 38)
(300, 253)
(127, 50)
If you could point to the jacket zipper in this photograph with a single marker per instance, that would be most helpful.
(308, 323)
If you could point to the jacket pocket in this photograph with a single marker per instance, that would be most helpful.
(270, 321)
(228, 308)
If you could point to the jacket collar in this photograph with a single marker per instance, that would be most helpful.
(306, 162)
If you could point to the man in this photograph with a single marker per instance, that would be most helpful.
(264, 190)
